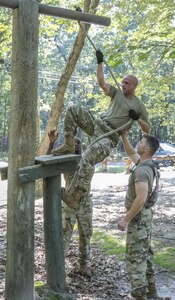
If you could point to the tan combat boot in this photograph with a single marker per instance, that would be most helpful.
(68, 147)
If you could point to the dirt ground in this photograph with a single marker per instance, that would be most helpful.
(109, 278)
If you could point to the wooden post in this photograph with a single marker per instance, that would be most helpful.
(53, 234)
(22, 136)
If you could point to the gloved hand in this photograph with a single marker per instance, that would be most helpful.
(133, 115)
(99, 56)
(77, 8)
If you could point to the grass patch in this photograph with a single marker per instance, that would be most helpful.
(46, 293)
(40, 287)
(111, 169)
(109, 244)
(164, 256)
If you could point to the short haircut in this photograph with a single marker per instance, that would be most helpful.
(134, 79)
(152, 142)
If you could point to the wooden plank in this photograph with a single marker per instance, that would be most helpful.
(74, 15)
(9, 3)
(46, 166)
(62, 13)
(51, 159)
(32, 173)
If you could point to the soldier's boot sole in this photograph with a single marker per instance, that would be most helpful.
(63, 150)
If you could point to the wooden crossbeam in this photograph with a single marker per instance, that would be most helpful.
(62, 13)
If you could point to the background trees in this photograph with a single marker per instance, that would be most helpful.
(140, 40)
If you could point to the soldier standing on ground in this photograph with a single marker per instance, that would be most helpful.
(138, 219)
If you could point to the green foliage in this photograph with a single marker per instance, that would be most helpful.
(5, 33)
(39, 286)
(112, 169)
(136, 42)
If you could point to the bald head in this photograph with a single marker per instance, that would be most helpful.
(133, 79)
(129, 84)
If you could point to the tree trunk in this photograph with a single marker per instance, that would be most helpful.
(58, 104)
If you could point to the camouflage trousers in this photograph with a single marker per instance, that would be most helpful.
(83, 216)
(97, 150)
(139, 254)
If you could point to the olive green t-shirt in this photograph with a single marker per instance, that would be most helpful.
(141, 173)
(117, 113)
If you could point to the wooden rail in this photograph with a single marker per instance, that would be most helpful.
(62, 13)
(50, 168)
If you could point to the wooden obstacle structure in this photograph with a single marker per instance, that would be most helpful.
(22, 140)
(49, 168)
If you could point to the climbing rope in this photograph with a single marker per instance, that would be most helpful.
(74, 180)
(93, 45)
(112, 131)
(105, 62)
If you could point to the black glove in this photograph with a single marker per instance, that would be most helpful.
(78, 9)
(99, 56)
(133, 115)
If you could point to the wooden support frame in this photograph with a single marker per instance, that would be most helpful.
(49, 168)
(21, 186)
(62, 13)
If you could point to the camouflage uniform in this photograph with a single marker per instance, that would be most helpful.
(139, 254)
(83, 215)
(94, 127)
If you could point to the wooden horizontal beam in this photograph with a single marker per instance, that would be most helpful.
(51, 159)
(46, 166)
(63, 13)
(9, 3)
(32, 173)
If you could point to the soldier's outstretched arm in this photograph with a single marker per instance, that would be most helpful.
(144, 126)
(100, 75)
(134, 156)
